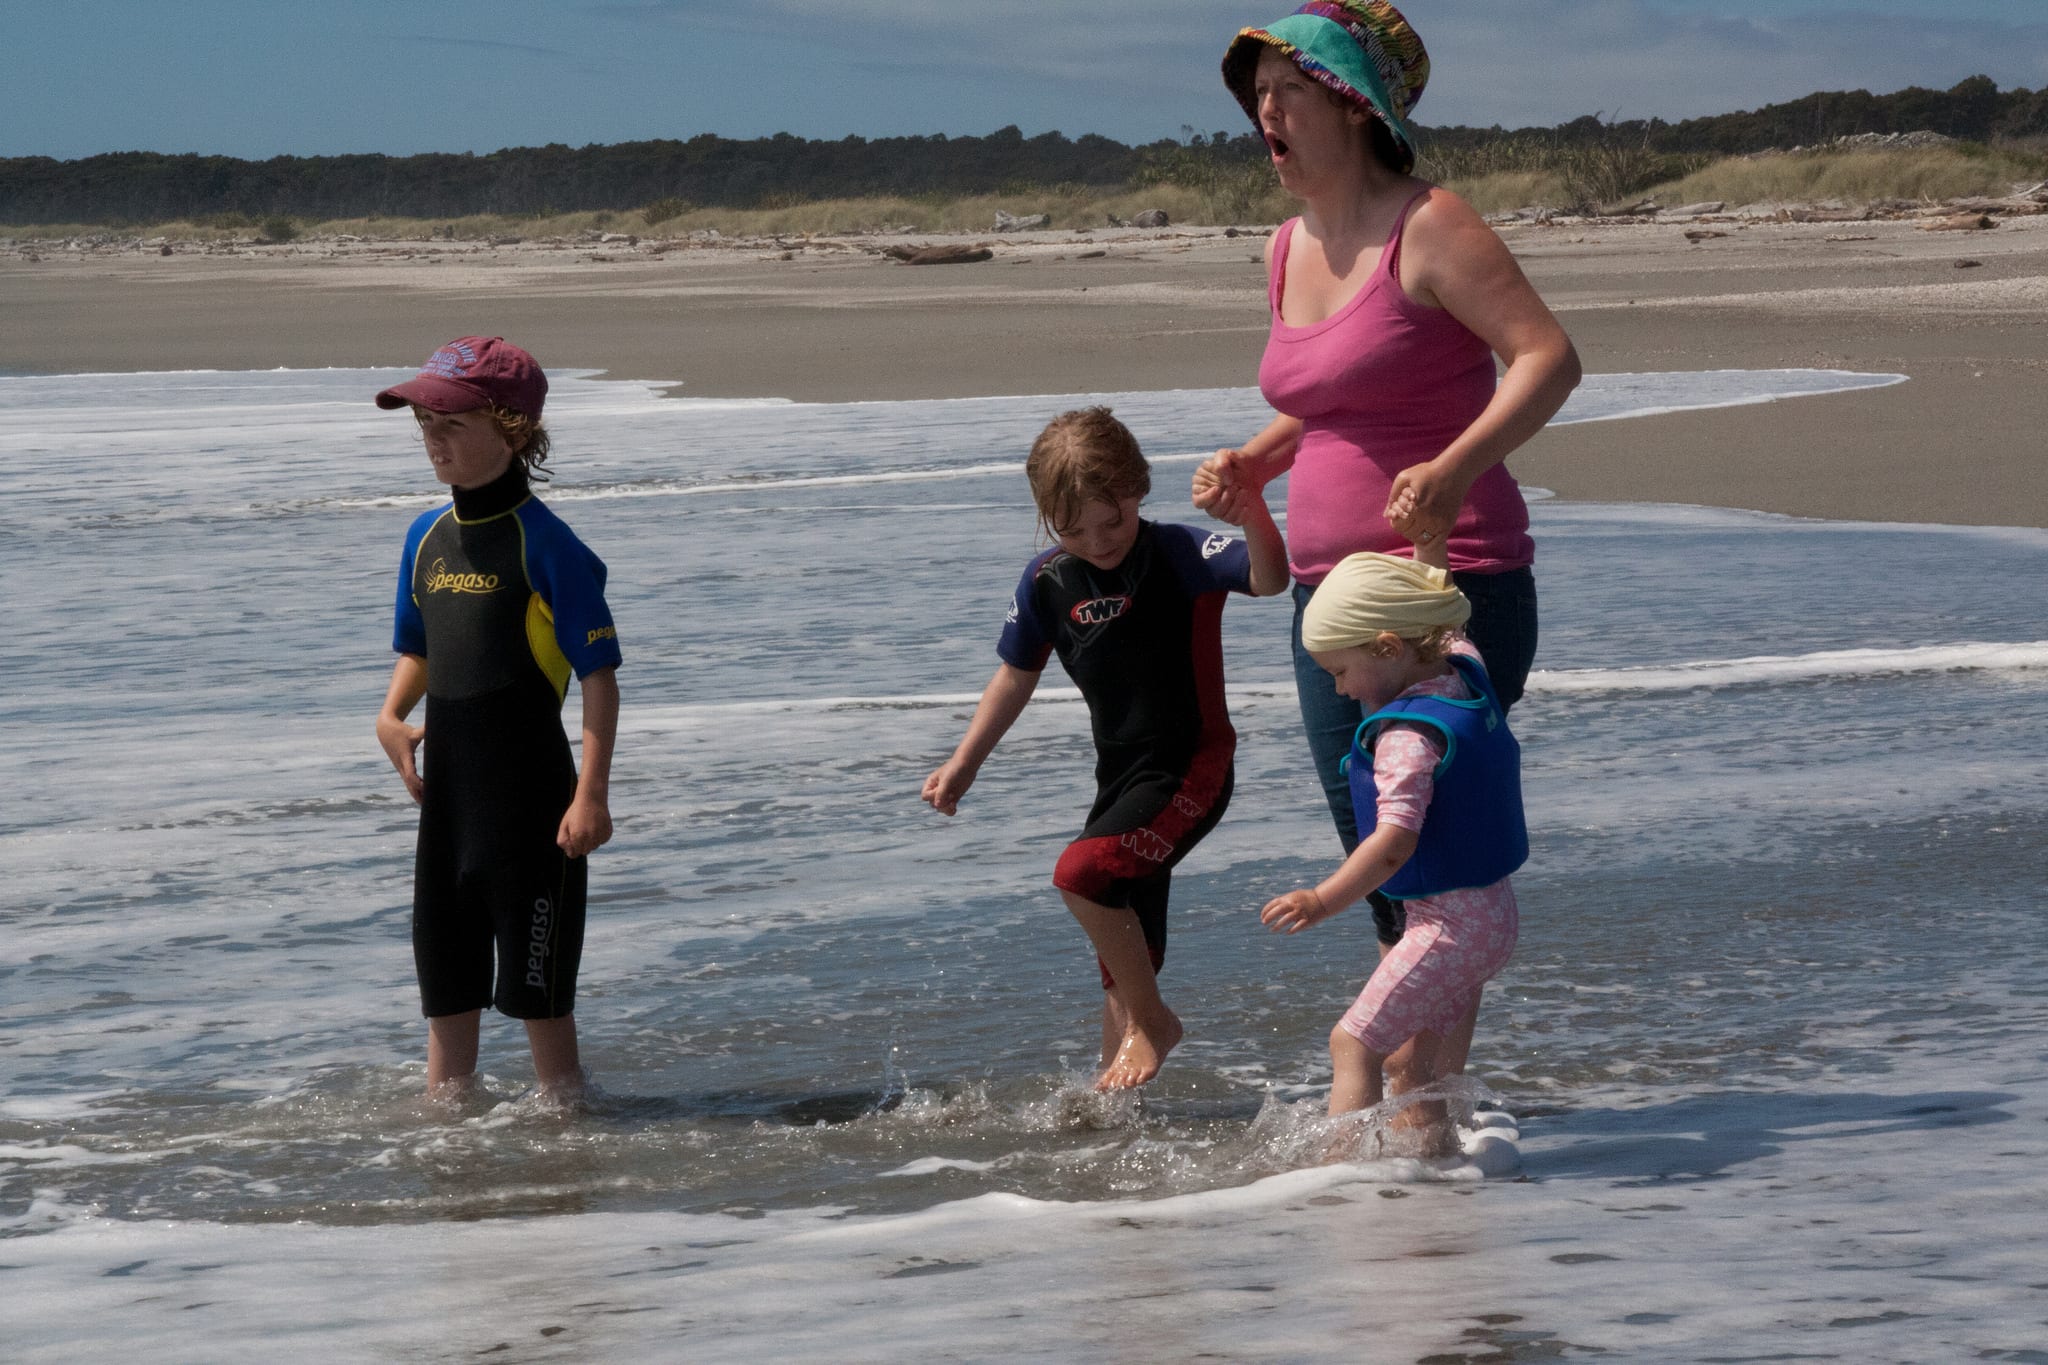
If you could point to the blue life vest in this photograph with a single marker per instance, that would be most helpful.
(1473, 833)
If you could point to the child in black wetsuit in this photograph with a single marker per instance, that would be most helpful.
(1134, 610)
(498, 603)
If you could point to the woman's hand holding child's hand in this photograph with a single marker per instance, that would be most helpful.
(1223, 488)
(1405, 516)
(1294, 912)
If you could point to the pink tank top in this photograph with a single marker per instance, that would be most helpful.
(1382, 384)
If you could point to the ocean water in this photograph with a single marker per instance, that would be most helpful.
(1767, 1078)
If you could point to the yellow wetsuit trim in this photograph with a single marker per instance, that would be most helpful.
(540, 638)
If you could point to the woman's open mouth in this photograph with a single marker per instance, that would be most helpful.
(1277, 146)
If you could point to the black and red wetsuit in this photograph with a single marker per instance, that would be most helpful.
(1143, 642)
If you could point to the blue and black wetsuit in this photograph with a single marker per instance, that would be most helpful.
(504, 603)
(1143, 642)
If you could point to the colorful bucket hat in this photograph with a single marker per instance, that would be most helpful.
(1362, 49)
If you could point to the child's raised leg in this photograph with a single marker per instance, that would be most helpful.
(1151, 1029)
(452, 1048)
(1115, 1023)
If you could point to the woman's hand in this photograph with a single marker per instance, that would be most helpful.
(1225, 484)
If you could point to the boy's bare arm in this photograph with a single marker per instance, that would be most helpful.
(1002, 701)
(1378, 856)
(587, 824)
(1268, 550)
(400, 741)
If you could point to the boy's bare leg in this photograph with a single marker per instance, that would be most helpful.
(1152, 1028)
(451, 1047)
(1115, 1023)
(556, 1064)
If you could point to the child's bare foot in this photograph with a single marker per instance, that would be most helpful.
(1142, 1052)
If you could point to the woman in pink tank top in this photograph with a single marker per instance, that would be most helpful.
(1390, 301)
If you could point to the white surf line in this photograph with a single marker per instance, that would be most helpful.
(1825, 664)
(1592, 390)
(596, 493)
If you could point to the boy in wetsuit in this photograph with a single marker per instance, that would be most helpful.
(498, 603)
(1134, 610)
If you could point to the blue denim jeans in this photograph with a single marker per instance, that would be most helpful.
(1502, 629)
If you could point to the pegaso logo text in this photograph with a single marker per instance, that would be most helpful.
(1099, 611)
(440, 579)
(540, 931)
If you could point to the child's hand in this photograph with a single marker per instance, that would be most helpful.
(1401, 513)
(947, 784)
(586, 826)
(401, 743)
(1294, 912)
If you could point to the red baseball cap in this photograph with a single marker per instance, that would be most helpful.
(470, 373)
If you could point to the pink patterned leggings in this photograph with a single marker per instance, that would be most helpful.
(1455, 943)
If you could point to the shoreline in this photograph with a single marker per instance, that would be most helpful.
(1104, 310)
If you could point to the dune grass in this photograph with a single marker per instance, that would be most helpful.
(1067, 207)
(1861, 177)
(1510, 174)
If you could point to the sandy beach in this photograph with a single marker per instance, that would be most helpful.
(1061, 312)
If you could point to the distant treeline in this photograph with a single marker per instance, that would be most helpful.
(707, 170)
(1974, 111)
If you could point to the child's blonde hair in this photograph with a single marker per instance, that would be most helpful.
(1083, 456)
(1436, 644)
(524, 433)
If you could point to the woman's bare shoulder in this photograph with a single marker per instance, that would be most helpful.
(1441, 212)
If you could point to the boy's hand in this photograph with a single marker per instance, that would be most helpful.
(401, 743)
(1294, 912)
(947, 784)
(586, 827)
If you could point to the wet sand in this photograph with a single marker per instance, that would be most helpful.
(833, 319)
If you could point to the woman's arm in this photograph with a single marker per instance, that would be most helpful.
(1451, 259)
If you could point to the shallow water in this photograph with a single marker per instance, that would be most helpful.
(1786, 786)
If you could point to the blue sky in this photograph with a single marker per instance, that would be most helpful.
(260, 78)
